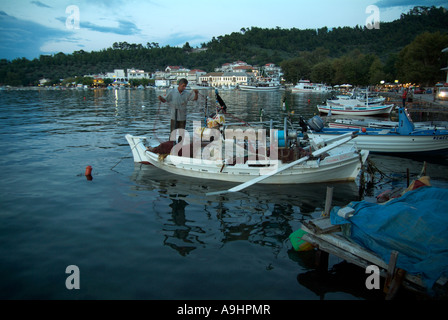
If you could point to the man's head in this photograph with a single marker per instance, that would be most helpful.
(182, 85)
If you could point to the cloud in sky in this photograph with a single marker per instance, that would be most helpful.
(23, 38)
(123, 27)
(31, 28)
(40, 4)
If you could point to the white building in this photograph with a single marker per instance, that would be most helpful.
(162, 83)
(137, 74)
(272, 71)
(234, 66)
(219, 79)
(193, 76)
(117, 74)
(43, 81)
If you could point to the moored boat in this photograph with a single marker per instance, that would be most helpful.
(306, 86)
(359, 103)
(385, 124)
(355, 109)
(259, 87)
(403, 139)
(293, 165)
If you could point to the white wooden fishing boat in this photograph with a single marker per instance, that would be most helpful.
(336, 108)
(335, 162)
(404, 139)
(260, 87)
(358, 103)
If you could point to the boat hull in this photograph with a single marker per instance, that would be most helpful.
(384, 141)
(338, 166)
(357, 110)
(309, 91)
(259, 88)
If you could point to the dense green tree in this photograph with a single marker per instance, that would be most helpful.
(421, 60)
(323, 72)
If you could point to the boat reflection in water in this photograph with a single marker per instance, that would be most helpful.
(264, 215)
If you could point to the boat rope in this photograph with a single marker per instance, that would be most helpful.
(372, 169)
(423, 172)
(127, 155)
(154, 126)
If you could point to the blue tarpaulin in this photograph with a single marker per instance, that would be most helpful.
(415, 225)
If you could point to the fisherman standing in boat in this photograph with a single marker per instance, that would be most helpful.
(178, 99)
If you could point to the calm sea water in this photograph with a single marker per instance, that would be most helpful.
(136, 232)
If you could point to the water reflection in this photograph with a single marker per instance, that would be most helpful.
(263, 215)
(178, 234)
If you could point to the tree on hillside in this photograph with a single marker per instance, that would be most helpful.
(323, 72)
(420, 61)
(296, 69)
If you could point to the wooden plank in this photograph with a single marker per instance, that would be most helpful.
(349, 246)
(328, 201)
(354, 253)
(396, 283)
(321, 225)
(390, 270)
(409, 281)
(328, 247)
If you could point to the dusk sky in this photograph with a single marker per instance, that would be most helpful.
(31, 28)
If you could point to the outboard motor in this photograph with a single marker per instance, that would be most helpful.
(316, 123)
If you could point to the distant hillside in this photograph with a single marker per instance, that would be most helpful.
(253, 45)
(256, 45)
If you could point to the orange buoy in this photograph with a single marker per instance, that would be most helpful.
(89, 173)
(364, 130)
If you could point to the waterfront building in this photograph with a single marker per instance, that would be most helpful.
(135, 74)
(225, 79)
